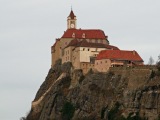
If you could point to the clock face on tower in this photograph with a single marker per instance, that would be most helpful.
(72, 25)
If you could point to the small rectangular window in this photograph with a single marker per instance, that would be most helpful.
(83, 49)
(88, 49)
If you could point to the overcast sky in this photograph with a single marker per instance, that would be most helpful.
(28, 29)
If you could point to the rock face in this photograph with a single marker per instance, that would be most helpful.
(68, 95)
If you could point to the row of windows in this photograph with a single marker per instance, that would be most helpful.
(89, 64)
(86, 49)
(101, 62)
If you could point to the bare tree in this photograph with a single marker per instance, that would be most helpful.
(158, 63)
(151, 61)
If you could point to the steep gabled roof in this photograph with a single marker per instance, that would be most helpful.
(89, 33)
(71, 15)
(119, 55)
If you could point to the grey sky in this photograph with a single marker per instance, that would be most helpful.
(28, 28)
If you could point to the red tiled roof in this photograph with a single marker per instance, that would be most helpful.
(85, 43)
(71, 15)
(119, 55)
(112, 47)
(89, 33)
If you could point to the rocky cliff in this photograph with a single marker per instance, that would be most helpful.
(120, 94)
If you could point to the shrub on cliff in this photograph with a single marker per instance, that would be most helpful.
(67, 111)
(153, 74)
(113, 112)
(103, 112)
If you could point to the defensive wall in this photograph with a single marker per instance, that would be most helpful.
(137, 76)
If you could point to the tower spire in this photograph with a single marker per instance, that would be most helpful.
(71, 14)
(71, 20)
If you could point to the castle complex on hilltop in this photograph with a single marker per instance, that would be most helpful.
(89, 49)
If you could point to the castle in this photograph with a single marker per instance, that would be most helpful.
(90, 49)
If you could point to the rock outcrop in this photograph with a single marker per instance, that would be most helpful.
(67, 94)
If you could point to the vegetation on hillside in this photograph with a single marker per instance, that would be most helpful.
(68, 111)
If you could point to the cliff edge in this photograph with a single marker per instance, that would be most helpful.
(121, 93)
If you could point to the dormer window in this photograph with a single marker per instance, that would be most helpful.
(83, 35)
(73, 35)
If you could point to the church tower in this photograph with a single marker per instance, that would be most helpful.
(71, 21)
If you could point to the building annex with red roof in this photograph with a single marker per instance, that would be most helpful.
(112, 58)
(90, 49)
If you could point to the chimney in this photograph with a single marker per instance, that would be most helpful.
(83, 35)
(134, 52)
(73, 35)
